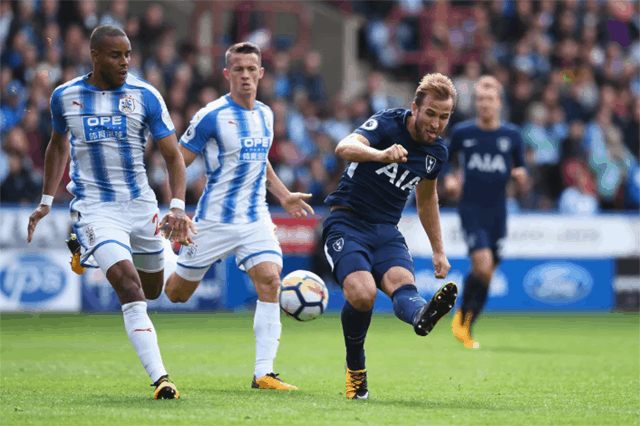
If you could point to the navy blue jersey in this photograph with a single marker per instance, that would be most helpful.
(487, 161)
(377, 191)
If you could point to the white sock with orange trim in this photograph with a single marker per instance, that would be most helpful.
(142, 336)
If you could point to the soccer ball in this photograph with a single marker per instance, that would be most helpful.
(303, 295)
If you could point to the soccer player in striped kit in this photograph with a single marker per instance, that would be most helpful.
(234, 134)
(106, 116)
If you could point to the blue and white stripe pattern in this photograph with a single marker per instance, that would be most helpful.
(108, 130)
(234, 142)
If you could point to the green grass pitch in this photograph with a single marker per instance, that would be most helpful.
(534, 369)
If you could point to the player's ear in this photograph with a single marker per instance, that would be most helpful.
(226, 73)
(261, 72)
(94, 54)
(414, 109)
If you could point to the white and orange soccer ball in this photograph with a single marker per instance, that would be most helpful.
(303, 295)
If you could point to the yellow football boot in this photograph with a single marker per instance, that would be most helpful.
(271, 381)
(462, 330)
(165, 389)
(74, 247)
(357, 387)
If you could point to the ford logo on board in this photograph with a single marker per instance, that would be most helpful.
(31, 279)
(558, 283)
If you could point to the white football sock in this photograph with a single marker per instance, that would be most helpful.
(142, 336)
(170, 259)
(267, 329)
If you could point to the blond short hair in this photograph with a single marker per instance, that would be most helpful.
(489, 82)
(438, 86)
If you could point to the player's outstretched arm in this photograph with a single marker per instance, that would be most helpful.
(357, 149)
(429, 213)
(55, 161)
(176, 224)
(292, 202)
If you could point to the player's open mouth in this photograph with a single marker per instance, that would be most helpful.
(123, 73)
(431, 134)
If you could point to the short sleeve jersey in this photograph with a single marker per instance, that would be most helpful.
(108, 131)
(487, 160)
(379, 191)
(234, 143)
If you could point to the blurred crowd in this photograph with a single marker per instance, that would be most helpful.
(569, 68)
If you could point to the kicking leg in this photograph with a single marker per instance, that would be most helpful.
(266, 325)
(410, 307)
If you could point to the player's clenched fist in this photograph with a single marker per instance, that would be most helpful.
(394, 154)
(441, 265)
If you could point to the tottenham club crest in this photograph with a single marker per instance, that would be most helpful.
(127, 104)
(430, 163)
(91, 235)
(504, 144)
(338, 245)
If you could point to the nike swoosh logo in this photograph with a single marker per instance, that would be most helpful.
(468, 143)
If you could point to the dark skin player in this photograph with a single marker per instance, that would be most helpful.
(110, 58)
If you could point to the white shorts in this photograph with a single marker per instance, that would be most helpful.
(119, 230)
(251, 243)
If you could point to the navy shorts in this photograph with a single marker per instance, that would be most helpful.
(353, 244)
(483, 229)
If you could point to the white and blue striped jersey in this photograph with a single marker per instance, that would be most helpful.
(108, 130)
(234, 142)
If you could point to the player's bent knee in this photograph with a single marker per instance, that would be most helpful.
(484, 274)
(360, 290)
(179, 290)
(175, 295)
(363, 304)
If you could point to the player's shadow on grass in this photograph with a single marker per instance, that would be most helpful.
(124, 400)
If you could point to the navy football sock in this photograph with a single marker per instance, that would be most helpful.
(407, 302)
(474, 296)
(354, 326)
(481, 300)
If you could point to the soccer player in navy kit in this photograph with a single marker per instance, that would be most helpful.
(492, 154)
(392, 153)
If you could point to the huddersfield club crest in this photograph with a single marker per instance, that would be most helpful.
(191, 251)
(91, 235)
(127, 104)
